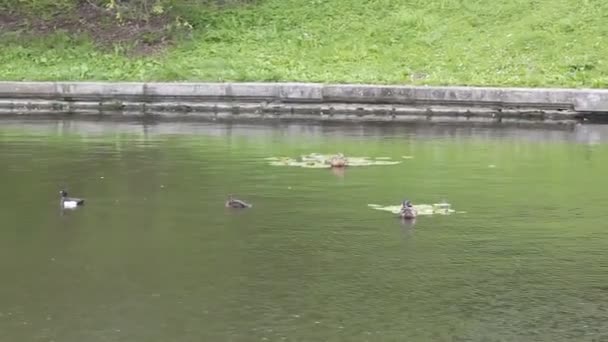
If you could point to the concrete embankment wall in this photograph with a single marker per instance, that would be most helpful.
(302, 101)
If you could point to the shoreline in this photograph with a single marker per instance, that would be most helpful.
(303, 101)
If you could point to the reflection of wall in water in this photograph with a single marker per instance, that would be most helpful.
(589, 134)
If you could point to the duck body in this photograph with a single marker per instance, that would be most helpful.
(70, 202)
(236, 203)
(408, 211)
(338, 161)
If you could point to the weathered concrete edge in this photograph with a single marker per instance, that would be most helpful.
(286, 97)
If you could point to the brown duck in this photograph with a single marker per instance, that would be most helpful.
(236, 203)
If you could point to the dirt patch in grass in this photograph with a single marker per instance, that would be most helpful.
(138, 37)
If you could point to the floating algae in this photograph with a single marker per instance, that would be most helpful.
(307, 164)
(421, 209)
(322, 161)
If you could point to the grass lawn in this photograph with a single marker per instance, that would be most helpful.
(556, 43)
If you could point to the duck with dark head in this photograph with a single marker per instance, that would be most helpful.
(69, 202)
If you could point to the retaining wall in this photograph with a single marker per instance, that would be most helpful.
(303, 101)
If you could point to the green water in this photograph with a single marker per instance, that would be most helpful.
(155, 256)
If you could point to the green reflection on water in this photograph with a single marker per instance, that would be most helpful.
(154, 255)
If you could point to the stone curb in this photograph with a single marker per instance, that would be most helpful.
(303, 100)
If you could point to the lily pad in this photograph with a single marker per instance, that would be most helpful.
(311, 165)
(321, 161)
(421, 209)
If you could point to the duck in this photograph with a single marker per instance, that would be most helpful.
(338, 160)
(69, 202)
(236, 203)
(407, 210)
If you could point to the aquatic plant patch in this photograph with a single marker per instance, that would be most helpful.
(421, 209)
(322, 161)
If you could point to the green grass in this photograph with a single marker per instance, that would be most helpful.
(556, 43)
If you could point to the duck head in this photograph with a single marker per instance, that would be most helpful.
(63, 193)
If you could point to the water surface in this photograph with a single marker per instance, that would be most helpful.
(154, 255)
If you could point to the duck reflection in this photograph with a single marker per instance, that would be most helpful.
(338, 171)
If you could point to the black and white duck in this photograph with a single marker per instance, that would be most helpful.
(69, 202)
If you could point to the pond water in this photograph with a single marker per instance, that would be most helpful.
(155, 256)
